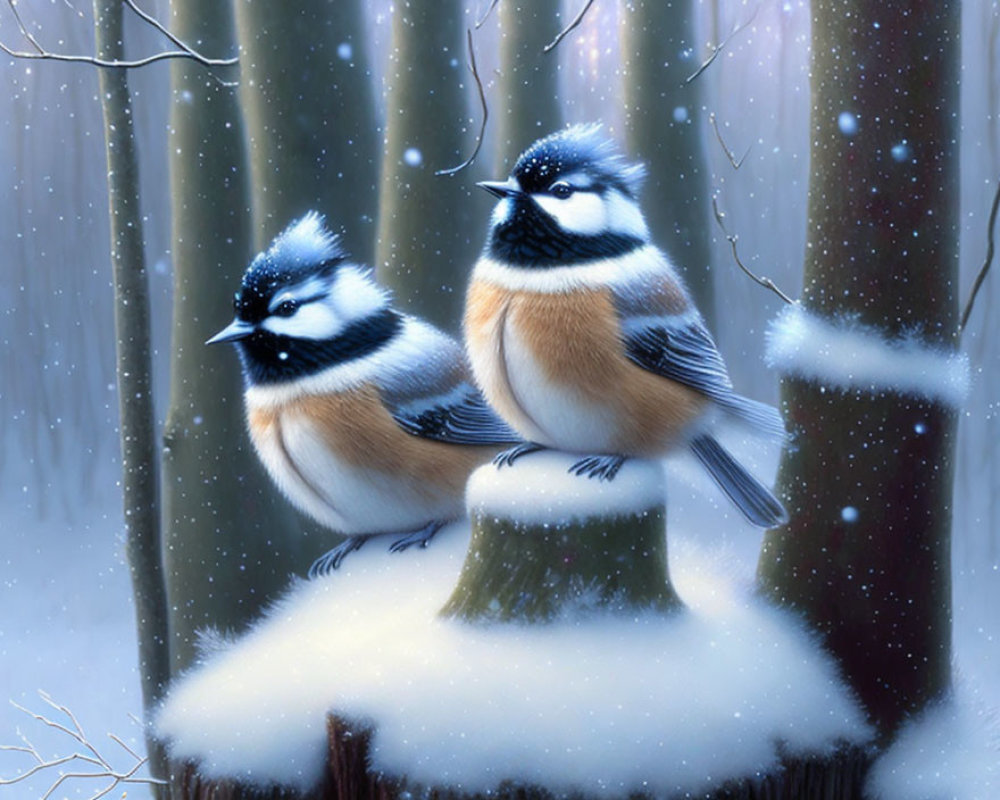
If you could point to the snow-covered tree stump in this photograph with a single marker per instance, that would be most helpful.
(468, 654)
(547, 544)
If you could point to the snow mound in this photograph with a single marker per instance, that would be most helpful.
(603, 705)
(542, 488)
(951, 750)
(847, 356)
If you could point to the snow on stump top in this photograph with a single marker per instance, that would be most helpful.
(547, 544)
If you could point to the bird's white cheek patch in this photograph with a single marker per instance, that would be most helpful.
(501, 213)
(312, 321)
(625, 217)
(582, 212)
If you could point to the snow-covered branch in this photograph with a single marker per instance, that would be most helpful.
(184, 51)
(94, 765)
(847, 356)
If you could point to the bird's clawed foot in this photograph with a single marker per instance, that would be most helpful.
(604, 468)
(506, 458)
(420, 537)
(329, 561)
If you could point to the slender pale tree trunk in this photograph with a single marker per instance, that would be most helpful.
(664, 128)
(231, 540)
(430, 227)
(140, 476)
(309, 106)
(882, 247)
(529, 78)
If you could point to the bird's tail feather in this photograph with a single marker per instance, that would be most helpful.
(761, 417)
(752, 498)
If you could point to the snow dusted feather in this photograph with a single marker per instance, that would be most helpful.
(304, 244)
(578, 146)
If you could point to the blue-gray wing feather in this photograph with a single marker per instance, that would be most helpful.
(465, 419)
(681, 349)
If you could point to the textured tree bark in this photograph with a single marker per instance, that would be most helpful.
(528, 83)
(309, 107)
(140, 476)
(430, 227)
(664, 128)
(882, 247)
(231, 541)
(840, 776)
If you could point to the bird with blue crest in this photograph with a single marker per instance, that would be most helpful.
(582, 335)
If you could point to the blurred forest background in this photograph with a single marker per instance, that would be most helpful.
(351, 109)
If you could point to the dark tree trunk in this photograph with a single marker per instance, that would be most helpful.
(664, 128)
(309, 107)
(528, 87)
(140, 476)
(231, 540)
(429, 228)
(882, 246)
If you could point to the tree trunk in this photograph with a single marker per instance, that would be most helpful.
(882, 247)
(430, 227)
(140, 485)
(231, 540)
(309, 108)
(529, 79)
(664, 128)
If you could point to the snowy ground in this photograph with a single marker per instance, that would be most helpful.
(66, 625)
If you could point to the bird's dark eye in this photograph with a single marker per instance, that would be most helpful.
(561, 189)
(286, 309)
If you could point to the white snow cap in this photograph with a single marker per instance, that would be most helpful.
(542, 489)
(952, 750)
(846, 356)
(602, 706)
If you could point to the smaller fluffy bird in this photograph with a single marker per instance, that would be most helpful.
(366, 418)
(581, 333)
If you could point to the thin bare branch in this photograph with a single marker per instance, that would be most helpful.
(987, 262)
(569, 28)
(155, 23)
(720, 46)
(103, 770)
(767, 283)
(489, 10)
(127, 64)
(23, 28)
(482, 101)
(736, 163)
(117, 740)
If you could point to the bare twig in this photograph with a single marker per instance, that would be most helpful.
(736, 164)
(720, 46)
(155, 23)
(987, 262)
(569, 28)
(489, 10)
(482, 101)
(767, 283)
(23, 28)
(103, 769)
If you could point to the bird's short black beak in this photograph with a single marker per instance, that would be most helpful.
(234, 331)
(507, 188)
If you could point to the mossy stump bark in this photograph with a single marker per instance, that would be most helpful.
(516, 572)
